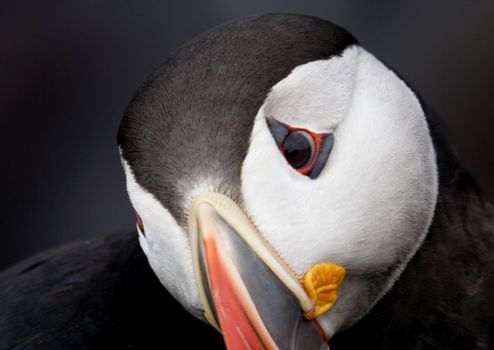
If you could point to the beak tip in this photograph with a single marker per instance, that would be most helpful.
(248, 293)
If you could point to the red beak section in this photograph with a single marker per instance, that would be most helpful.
(246, 291)
(241, 328)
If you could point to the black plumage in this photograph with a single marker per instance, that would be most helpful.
(102, 294)
(213, 87)
(444, 298)
(97, 294)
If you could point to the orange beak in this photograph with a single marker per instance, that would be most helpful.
(248, 293)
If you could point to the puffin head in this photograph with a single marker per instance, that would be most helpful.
(283, 178)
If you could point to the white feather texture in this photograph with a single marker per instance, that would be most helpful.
(166, 245)
(315, 96)
(369, 209)
(371, 206)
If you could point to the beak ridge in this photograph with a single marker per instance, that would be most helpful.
(247, 291)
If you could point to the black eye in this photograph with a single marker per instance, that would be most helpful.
(305, 151)
(298, 149)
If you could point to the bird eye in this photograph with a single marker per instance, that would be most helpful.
(299, 149)
(140, 225)
(307, 152)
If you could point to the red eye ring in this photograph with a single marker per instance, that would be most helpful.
(140, 224)
(316, 141)
(305, 151)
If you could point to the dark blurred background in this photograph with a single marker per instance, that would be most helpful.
(68, 69)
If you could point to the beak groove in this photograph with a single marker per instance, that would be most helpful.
(247, 291)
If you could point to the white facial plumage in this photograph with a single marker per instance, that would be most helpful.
(371, 206)
(165, 244)
(369, 209)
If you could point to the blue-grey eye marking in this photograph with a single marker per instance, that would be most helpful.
(327, 142)
(278, 130)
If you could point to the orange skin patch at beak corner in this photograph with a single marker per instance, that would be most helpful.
(321, 283)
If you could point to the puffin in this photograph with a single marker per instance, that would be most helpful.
(291, 192)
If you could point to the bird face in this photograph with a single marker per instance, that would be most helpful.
(280, 189)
